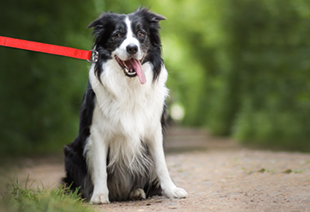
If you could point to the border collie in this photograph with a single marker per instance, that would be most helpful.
(118, 153)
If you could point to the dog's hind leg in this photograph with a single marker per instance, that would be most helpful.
(137, 194)
(75, 167)
(153, 189)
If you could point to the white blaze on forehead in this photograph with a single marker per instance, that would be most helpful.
(130, 39)
(129, 29)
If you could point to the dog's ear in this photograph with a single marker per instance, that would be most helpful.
(156, 17)
(151, 17)
(94, 23)
(97, 22)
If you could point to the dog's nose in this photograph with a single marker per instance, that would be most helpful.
(132, 49)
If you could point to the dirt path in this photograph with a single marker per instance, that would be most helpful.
(218, 174)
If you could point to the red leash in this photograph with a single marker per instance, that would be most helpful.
(91, 56)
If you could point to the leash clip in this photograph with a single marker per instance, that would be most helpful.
(94, 56)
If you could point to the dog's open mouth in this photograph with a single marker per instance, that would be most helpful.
(132, 68)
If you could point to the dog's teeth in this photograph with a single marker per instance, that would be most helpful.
(124, 64)
(127, 71)
(131, 73)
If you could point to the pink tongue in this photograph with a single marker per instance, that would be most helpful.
(137, 66)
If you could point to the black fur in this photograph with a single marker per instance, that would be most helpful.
(75, 164)
(106, 40)
(154, 53)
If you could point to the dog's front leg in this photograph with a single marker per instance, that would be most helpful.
(97, 160)
(157, 151)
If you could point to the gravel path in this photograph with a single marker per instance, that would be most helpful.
(218, 174)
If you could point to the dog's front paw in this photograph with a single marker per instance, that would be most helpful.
(176, 193)
(100, 198)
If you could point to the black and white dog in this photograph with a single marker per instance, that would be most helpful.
(118, 153)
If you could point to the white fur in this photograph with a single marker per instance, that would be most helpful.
(126, 113)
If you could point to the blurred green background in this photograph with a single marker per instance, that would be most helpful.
(238, 68)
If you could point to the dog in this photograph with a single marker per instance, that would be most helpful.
(118, 154)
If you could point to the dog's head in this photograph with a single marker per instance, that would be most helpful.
(130, 40)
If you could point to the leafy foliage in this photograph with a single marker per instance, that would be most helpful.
(274, 69)
(41, 93)
(241, 68)
(238, 67)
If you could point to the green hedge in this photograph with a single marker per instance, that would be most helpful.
(40, 93)
(242, 68)
(274, 73)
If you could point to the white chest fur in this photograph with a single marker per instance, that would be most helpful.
(127, 112)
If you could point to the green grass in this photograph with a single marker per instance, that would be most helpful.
(25, 198)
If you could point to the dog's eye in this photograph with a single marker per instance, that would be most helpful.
(118, 35)
(140, 34)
